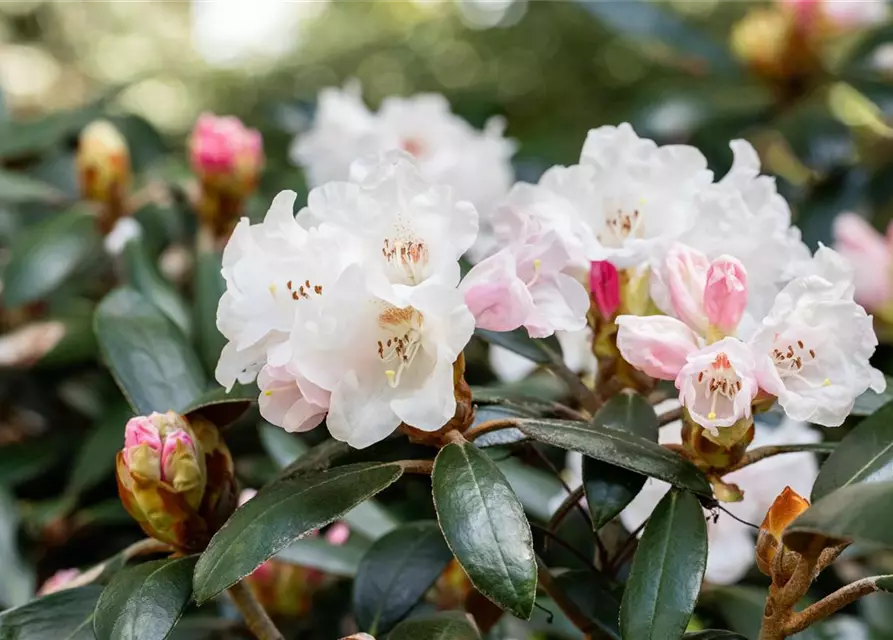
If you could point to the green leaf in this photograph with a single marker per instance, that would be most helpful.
(608, 489)
(95, 459)
(281, 513)
(318, 553)
(209, 287)
(18, 138)
(66, 615)
(17, 188)
(518, 341)
(864, 455)
(451, 625)
(283, 447)
(22, 461)
(630, 413)
(396, 572)
(144, 277)
(857, 513)
(148, 356)
(47, 254)
(647, 22)
(485, 527)
(223, 408)
(535, 488)
(78, 344)
(667, 570)
(714, 634)
(144, 602)
(869, 402)
(595, 597)
(620, 449)
(16, 578)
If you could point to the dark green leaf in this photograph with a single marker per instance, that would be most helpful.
(22, 461)
(714, 634)
(858, 513)
(16, 577)
(17, 188)
(144, 277)
(535, 488)
(19, 138)
(46, 255)
(667, 570)
(396, 572)
(223, 408)
(608, 489)
(283, 447)
(594, 596)
(208, 286)
(620, 449)
(649, 22)
(280, 514)
(66, 615)
(630, 413)
(148, 356)
(864, 455)
(518, 341)
(78, 344)
(485, 526)
(144, 602)
(96, 458)
(869, 402)
(452, 625)
(741, 607)
(319, 553)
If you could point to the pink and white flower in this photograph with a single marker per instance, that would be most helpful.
(871, 256)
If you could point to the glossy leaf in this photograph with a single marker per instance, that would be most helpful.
(595, 597)
(485, 527)
(452, 625)
(667, 570)
(144, 602)
(208, 286)
(535, 488)
(280, 514)
(148, 356)
(630, 413)
(396, 572)
(864, 455)
(144, 277)
(319, 553)
(17, 188)
(222, 407)
(858, 513)
(619, 448)
(65, 615)
(608, 489)
(47, 254)
(518, 341)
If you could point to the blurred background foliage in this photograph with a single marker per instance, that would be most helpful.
(683, 71)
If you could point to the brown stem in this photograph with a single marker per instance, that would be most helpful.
(421, 467)
(669, 416)
(567, 606)
(454, 436)
(568, 505)
(570, 548)
(254, 614)
(490, 425)
(588, 400)
(755, 455)
(624, 551)
(829, 604)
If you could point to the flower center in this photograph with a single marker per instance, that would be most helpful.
(413, 146)
(405, 259)
(400, 340)
(720, 384)
(794, 361)
(300, 291)
(619, 226)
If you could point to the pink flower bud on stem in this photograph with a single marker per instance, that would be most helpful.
(604, 284)
(725, 294)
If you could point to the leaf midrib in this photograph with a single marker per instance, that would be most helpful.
(862, 469)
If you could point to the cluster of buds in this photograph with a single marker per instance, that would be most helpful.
(227, 158)
(175, 477)
(103, 168)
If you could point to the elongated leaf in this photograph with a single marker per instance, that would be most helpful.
(144, 277)
(319, 553)
(594, 596)
(630, 413)
(608, 489)
(619, 449)
(22, 461)
(46, 255)
(144, 602)
(858, 513)
(280, 514)
(66, 615)
(485, 527)
(864, 455)
(17, 188)
(16, 577)
(223, 408)
(96, 458)
(396, 572)
(518, 341)
(148, 356)
(535, 488)
(452, 625)
(209, 286)
(667, 570)
(19, 138)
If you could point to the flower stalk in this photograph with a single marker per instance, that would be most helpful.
(254, 614)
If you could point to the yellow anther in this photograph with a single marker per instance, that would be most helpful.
(391, 374)
(272, 288)
(537, 263)
(827, 382)
(268, 393)
(711, 415)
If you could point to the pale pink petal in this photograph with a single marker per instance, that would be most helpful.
(656, 345)
(725, 295)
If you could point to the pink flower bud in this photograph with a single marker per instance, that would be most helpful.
(685, 274)
(338, 534)
(604, 284)
(870, 255)
(58, 581)
(224, 149)
(725, 295)
(142, 447)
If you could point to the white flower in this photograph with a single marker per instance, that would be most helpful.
(625, 202)
(449, 151)
(814, 346)
(744, 217)
(413, 230)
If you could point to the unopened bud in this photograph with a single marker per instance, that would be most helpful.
(787, 506)
(717, 452)
(59, 581)
(103, 167)
(604, 283)
(725, 294)
(685, 275)
(176, 478)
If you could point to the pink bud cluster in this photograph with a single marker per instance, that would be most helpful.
(222, 148)
(153, 444)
